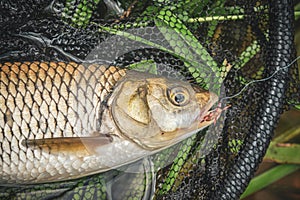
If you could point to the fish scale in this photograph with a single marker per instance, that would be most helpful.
(48, 100)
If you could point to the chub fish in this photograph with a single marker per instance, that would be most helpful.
(61, 121)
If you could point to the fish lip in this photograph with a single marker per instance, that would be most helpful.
(207, 108)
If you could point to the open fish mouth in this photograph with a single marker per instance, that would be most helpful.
(213, 114)
(209, 113)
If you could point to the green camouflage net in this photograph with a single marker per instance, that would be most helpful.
(220, 45)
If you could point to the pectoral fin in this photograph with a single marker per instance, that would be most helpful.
(82, 145)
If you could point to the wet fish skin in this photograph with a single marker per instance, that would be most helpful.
(48, 100)
(62, 121)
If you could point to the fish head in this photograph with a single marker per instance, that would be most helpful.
(156, 112)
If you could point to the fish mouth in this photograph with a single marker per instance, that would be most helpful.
(208, 114)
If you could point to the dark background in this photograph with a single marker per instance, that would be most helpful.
(287, 188)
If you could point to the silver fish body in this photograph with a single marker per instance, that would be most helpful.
(61, 121)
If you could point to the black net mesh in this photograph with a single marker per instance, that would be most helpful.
(220, 45)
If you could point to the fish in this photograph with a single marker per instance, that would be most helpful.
(64, 120)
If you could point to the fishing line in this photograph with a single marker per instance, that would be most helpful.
(260, 80)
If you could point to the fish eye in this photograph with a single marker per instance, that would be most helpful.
(178, 96)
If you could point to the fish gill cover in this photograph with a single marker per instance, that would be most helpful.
(219, 45)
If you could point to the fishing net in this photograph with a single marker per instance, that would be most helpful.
(227, 47)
